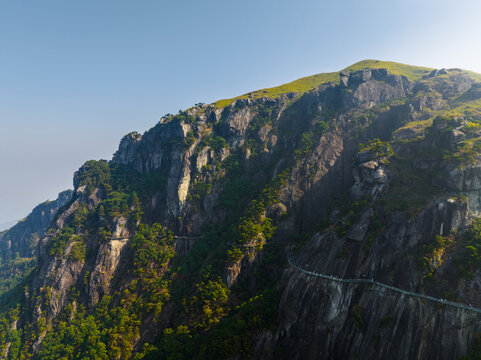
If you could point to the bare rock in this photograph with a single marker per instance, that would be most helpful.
(359, 230)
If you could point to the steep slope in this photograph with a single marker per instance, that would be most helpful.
(180, 246)
(18, 244)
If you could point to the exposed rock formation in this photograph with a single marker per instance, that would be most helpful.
(186, 232)
(24, 236)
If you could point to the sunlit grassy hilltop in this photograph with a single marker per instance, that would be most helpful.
(310, 82)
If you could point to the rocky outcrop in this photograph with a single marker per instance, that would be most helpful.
(106, 264)
(373, 86)
(467, 181)
(24, 236)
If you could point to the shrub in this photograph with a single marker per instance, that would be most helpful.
(77, 252)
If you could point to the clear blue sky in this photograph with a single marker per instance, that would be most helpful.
(75, 76)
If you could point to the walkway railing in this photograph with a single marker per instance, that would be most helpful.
(377, 283)
(175, 237)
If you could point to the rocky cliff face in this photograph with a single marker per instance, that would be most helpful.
(394, 247)
(19, 244)
(179, 245)
(23, 237)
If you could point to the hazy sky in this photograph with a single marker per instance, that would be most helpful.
(75, 76)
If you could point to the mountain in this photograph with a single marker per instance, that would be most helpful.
(335, 217)
(18, 244)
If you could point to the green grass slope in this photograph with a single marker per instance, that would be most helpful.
(310, 82)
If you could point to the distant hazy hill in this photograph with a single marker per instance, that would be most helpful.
(18, 243)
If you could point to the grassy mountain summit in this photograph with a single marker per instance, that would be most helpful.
(310, 82)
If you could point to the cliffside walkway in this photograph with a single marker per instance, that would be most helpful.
(175, 237)
(353, 281)
(377, 283)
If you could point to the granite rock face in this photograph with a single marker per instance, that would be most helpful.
(349, 321)
(372, 172)
(23, 237)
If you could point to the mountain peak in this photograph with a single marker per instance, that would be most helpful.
(307, 83)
